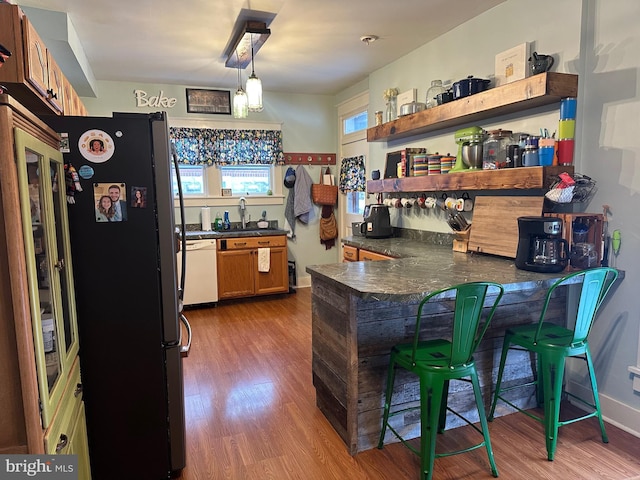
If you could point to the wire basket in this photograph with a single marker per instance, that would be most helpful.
(581, 190)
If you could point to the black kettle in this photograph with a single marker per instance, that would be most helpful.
(377, 221)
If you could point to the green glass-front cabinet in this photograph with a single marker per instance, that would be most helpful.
(37, 307)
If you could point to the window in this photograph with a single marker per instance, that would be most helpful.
(354, 123)
(356, 202)
(192, 179)
(246, 179)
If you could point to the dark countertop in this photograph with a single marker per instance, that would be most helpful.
(258, 232)
(194, 232)
(421, 269)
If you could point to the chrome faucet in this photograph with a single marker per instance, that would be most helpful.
(243, 207)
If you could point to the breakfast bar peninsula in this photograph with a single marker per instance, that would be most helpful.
(361, 309)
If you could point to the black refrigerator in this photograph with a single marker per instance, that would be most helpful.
(129, 309)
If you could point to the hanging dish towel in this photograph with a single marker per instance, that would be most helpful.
(264, 256)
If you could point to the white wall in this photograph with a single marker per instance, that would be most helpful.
(609, 107)
(308, 125)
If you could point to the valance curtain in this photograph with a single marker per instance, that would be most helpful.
(215, 146)
(352, 174)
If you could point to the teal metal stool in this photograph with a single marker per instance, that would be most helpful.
(436, 362)
(553, 344)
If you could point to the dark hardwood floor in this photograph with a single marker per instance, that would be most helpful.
(251, 414)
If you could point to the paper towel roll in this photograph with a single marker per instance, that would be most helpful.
(206, 219)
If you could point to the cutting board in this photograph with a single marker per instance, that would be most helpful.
(494, 228)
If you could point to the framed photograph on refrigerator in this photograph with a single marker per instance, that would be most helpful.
(208, 101)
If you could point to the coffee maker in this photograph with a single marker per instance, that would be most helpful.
(377, 222)
(541, 247)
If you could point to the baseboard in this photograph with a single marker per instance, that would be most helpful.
(613, 411)
(303, 281)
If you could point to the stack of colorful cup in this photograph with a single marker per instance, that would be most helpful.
(567, 130)
(433, 162)
(420, 166)
(446, 163)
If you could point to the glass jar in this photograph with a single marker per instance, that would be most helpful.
(391, 111)
(494, 149)
(584, 255)
(435, 89)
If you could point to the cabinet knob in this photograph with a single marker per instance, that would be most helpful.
(52, 94)
(60, 264)
(78, 390)
(64, 441)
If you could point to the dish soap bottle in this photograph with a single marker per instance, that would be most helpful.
(227, 223)
(217, 223)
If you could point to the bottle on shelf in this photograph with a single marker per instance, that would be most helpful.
(217, 223)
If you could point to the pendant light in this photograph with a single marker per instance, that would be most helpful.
(240, 101)
(254, 88)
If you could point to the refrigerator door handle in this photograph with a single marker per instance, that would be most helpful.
(184, 349)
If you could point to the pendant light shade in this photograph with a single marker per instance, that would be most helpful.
(240, 104)
(254, 93)
(240, 101)
(254, 88)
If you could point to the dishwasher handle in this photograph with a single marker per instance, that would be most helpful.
(192, 246)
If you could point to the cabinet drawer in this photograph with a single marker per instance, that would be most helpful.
(58, 435)
(366, 255)
(252, 242)
(349, 253)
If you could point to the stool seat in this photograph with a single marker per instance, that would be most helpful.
(437, 362)
(553, 344)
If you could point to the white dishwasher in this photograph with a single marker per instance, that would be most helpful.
(201, 281)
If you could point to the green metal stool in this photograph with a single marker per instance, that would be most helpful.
(553, 344)
(436, 362)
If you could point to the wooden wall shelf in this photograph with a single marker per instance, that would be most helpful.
(535, 91)
(522, 178)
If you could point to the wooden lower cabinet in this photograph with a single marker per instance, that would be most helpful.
(349, 253)
(354, 254)
(368, 256)
(238, 273)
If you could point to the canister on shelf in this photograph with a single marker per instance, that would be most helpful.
(494, 149)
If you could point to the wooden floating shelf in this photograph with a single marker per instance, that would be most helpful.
(522, 178)
(532, 92)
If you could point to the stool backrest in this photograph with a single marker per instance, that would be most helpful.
(595, 285)
(469, 301)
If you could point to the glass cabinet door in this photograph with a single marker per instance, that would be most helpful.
(47, 250)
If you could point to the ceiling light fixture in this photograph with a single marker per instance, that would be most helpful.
(249, 39)
(369, 39)
(254, 88)
(240, 101)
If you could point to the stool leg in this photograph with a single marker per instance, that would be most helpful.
(594, 388)
(503, 359)
(431, 388)
(483, 421)
(552, 367)
(387, 399)
(443, 407)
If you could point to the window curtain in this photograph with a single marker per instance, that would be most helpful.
(352, 174)
(212, 146)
